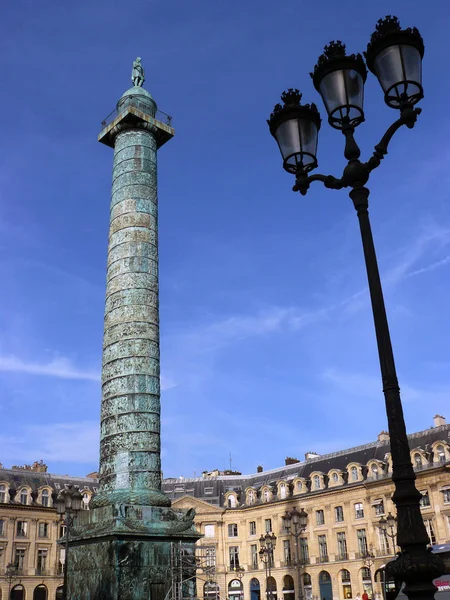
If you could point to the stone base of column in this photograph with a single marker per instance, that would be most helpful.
(128, 552)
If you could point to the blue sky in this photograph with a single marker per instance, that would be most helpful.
(268, 348)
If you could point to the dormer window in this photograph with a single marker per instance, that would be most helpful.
(45, 498)
(354, 473)
(335, 477)
(316, 482)
(231, 501)
(266, 495)
(2, 493)
(417, 460)
(440, 454)
(23, 497)
(283, 491)
(251, 497)
(374, 470)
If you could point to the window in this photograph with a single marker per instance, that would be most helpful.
(266, 495)
(384, 541)
(252, 527)
(354, 473)
(231, 501)
(283, 492)
(251, 497)
(374, 470)
(446, 495)
(440, 454)
(234, 556)
(345, 576)
(338, 514)
(45, 498)
(210, 556)
(342, 546)
(268, 525)
(365, 573)
(62, 530)
(425, 500)
(320, 517)
(417, 460)
(254, 556)
(359, 511)
(299, 486)
(2, 493)
(41, 561)
(362, 541)
(307, 579)
(335, 477)
(316, 482)
(43, 530)
(287, 552)
(430, 530)
(19, 558)
(85, 504)
(209, 531)
(22, 529)
(379, 508)
(304, 551)
(2, 527)
(24, 497)
(232, 530)
(323, 549)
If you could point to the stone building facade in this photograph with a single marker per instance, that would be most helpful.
(344, 495)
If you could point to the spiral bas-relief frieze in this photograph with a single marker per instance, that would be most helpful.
(130, 421)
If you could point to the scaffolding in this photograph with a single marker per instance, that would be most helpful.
(191, 565)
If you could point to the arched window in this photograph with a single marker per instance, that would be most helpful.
(254, 589)
(417, 460)
(2, 493)
(354, 473)
(231, 501)
(266, 495)
(85, 504)
(282, 490)
(45, 498)
(17, 593)
(307, 579)
(335, 477)
(365, 574)
(440, 454)
(288, 584)
(345, 576)
(299, 486)
(374, 469)
(23, 497)
(251, 497)
(210, 591)
(271, 588)
(59, 593)
(316, 481)
(40, 592)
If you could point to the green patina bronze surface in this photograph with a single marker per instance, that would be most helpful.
(121, 547)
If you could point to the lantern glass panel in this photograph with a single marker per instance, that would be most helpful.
(297, 139)
(399, 71)
(342, 92)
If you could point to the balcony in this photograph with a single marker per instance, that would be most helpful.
(342, 556)
(323, 558)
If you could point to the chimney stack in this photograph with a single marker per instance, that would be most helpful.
(439, 420)
(383, 436)
(289, 460)
(259, 469)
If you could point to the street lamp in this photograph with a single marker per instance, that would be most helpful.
(395, 57)
(267, 545)
(388, 526)
(295, 523)
(368, 562)
(68, 505)
(11, 574)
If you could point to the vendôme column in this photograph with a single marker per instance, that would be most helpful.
(126, 545)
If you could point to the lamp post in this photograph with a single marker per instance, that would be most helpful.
(368, 562)
(11, 574)
(295, 523)
(395, 57)
(388, 526)
(267, 545)
(68, 505)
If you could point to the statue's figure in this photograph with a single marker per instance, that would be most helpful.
(138, 75)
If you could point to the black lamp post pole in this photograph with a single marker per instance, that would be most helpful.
(295, 522)
(68, 504)
(340, 78)
(267, 544)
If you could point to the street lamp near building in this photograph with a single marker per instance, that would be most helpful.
(388, 526)
(295, 523)
(394, 55)
(267, 545)
(68, 505)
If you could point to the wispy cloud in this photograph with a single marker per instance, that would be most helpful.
(58, 367)
(75, 442)
(431, 267)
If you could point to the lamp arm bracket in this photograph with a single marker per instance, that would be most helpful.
(408, 117)
(303, 181)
